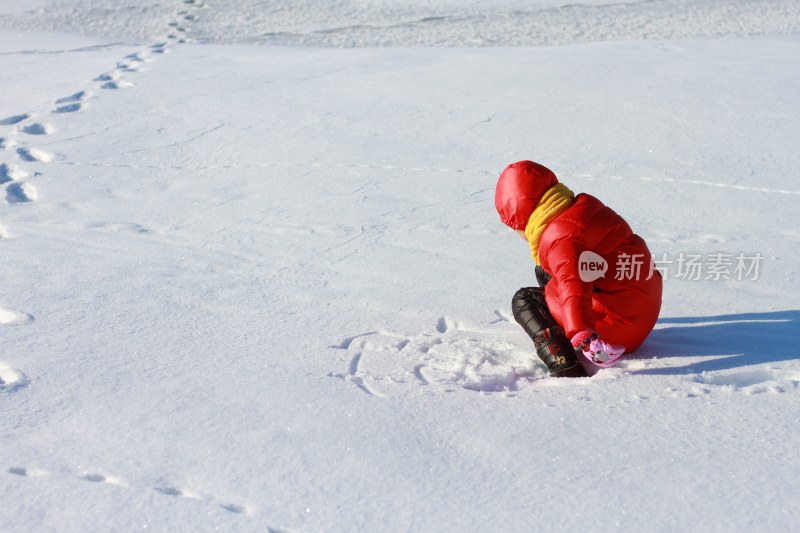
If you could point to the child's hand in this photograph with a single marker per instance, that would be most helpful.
(596, 349)
(603, 354)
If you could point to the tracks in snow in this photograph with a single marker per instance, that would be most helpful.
(12, 379)
(119, 482)
(22, 160)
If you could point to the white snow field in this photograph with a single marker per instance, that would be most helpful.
(252, 278)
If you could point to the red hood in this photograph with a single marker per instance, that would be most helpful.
(519, 189)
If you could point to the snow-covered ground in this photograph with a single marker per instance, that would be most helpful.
(250, 288)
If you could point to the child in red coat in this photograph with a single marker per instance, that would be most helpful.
(599, 292)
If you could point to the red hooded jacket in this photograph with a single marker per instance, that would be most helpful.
(623, 304)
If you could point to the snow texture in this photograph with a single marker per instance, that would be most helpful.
(264, 288)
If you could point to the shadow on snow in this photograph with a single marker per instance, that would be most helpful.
(728, 341)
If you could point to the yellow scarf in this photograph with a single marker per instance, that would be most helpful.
(554, 202)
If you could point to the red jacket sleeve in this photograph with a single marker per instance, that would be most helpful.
(569, 298)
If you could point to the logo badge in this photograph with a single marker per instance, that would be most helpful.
(591, 266)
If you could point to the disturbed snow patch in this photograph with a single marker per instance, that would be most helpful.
(447, 355)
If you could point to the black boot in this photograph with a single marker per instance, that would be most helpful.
(552, 346)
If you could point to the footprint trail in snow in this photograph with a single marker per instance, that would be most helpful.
(119, 482)
(18, 150)
(11, 379)
(21, 161)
